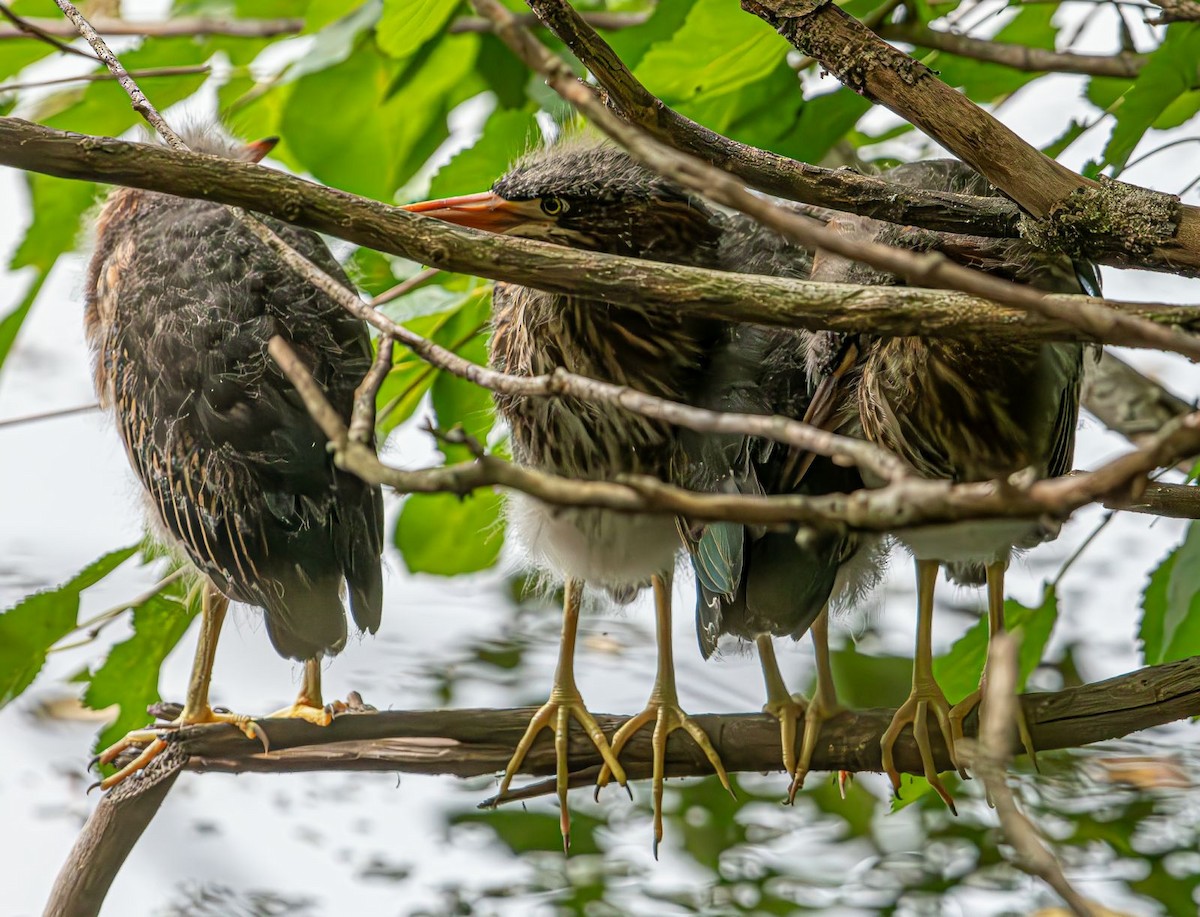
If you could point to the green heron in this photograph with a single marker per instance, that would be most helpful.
(181, 302)
(755, 584)
(593, 196)
(958, 410)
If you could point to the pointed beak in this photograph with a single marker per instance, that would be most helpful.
(259, 149)
(487, 211)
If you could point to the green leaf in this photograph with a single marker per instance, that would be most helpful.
(632, 44)
(959, 669)
(718, 49)
(360, 127)
(1169, 74)
(448, 535)
(1179, 112)
(322, 12)
(1170, 627)
(507, 134)
(58, 206)
(460, 403)
(37, 622)
(408, 24)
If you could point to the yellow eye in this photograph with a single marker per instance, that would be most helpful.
(553, 206)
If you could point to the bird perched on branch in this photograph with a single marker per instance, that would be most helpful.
(181, 301)
(593, 196)
(958, 410)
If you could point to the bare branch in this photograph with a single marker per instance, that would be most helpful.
(176, 27)
(473, 742)
(1017, 57)
(711, 294)
(988, 759)
(1176, 11)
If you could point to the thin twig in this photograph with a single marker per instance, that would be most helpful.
(29, 27)
(176, 27)
(988, 759)
(145, 73)
(404, 287)
(48, 415)
(140, 103)
(362, 418)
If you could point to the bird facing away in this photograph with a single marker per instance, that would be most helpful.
(181, 301)
(754, 583)
(593, 196)
(957, 410)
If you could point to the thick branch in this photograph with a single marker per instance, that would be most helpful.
(730, 297)
(1152, 227)
(1176, 11)
(468, 743)
(1017, 57)
(109, 836)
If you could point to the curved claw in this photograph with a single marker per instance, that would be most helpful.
(557, 714)
(915, 711)
(788, 712)
(668, 717)
(819, 711)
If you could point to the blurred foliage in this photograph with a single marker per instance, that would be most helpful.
(384, 98)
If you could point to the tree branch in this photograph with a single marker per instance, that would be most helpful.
(1176, 11)
(468, 743)
(109, 835)
(182, 26)
(713, 294)
(1080, 215)
(1014, 56)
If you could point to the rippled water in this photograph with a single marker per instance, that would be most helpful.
(377, 844)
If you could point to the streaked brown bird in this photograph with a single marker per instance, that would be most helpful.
(958, 410)
(181, 301)
(593, 196)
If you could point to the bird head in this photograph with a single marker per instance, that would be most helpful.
(210, 138)
(591, 196)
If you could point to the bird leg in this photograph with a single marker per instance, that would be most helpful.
(781, 703)
(926, 695)
(977, 698)
(664, 711)
(196, 709)
(308, 705)
(565, 702)
(823, 706)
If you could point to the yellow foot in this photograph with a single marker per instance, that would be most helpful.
(925, 698)
(303, 710)
(667, 717)
(960, 711)
(556, 714)
(819, 710)
(152, 742)
(788, 712)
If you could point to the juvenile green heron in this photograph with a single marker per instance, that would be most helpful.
(181, 302)
(593, 196)
(757, 584)
(957, 410)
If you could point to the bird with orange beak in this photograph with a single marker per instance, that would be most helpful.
(593, 196)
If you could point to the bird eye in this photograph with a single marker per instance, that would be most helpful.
(553, 206)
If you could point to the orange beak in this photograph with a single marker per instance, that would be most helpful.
(259, 149)
(487, 211)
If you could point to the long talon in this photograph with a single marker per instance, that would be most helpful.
(557, 714)
(668, 717)
(788, 713)
(818, 713)
(915, 711)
